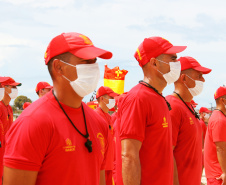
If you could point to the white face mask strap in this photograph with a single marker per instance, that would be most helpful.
(67, 63)
(190, 77)
(163, 61)
(66, 78)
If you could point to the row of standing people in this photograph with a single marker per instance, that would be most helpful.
(59, 140)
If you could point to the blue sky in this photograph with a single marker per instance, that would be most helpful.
(27, 26)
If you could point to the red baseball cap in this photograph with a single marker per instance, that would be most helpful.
(152, 47)
(11, 81)
(105, 90)
(43, 85)
(194, 103)
(204, 109)
(191, 63)
(221, 91)
(75, 43)
(3, 78)
(26, 104)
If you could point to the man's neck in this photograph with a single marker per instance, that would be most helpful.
(221, 108)
(158, 84)
(67, 96)
(103, 108)
(184, 94)
(6, 100)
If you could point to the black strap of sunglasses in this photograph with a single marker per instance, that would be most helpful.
(148, 85)
(88, 143)
(192, 111)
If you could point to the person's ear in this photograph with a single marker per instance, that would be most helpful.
(57, 66)
(182, 78)
(153, 62)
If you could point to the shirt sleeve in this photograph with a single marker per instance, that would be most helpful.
(176, 122)
(133, 118)
(27, 142)
(218, 131)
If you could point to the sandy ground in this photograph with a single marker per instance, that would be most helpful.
(204, 178)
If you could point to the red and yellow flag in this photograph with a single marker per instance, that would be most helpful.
(114, 78)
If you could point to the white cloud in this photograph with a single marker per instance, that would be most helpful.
(116, 25)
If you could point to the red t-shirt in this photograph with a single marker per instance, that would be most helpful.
(216, 132)
(187, 139)
(6, 120)
(42, 139)
(109, 161)
(204, 128)
(143, 115)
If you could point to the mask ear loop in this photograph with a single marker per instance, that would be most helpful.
(67, 63)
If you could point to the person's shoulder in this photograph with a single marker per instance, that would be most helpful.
(2, 106)
(97, 121)
(40, 109)
(216, 118)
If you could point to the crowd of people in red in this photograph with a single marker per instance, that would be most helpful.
(150, 139)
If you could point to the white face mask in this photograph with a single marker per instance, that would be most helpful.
(14, 93)
(88, 78)
(111, 103)
(174, 73)
(197, 89)
(206, 116)
(2, 92)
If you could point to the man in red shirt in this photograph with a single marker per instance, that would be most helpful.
(144, 143)
(105, 97)
(6, 113)
(42, 88)
(59, 139)
(186, 129)
(215, 142)
(204, 115)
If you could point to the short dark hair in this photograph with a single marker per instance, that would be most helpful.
(64, 56)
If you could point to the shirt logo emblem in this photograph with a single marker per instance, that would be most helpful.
(102, 143)
(69, 147)
(191, 121)
(165, 124)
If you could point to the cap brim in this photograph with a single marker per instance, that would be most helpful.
(204, 70)
(175, 49)
(113, 94)
(49, 87)
(15, 84)
(91, 52)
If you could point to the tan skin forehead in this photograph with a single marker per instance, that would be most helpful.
(195, 73)
(170, 57)
(11, 86)
(76, 60)
(108, 97)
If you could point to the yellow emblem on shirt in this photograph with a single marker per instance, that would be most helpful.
(69, 147)
(191, 121)
(165, 124)
(102, 143)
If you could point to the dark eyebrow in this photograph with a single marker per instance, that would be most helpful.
(174, 57)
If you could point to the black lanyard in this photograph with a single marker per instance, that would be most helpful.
(221, 112)
(88, 143)
(148, 85)
(192, 111)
